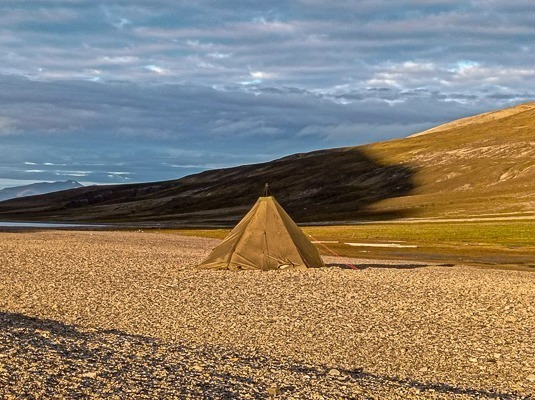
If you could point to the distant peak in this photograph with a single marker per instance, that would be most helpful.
(38, 188)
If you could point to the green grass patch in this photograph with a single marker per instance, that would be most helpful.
(503, 244)
(510, 233)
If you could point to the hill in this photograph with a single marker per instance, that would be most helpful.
(36, 189)
(320, 185)
(482, 166)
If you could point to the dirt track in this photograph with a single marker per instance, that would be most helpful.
(124, 315)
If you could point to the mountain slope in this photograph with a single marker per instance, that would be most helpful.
(35, 189)
(480, 166)
(320, 185)
(479, 119)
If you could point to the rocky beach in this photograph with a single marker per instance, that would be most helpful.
(94, 314)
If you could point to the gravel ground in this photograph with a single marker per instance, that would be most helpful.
(124, 315)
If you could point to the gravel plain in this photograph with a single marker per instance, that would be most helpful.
(124, 315)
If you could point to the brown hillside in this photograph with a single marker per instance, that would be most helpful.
(321, 185)
(478, 166)
(475, 167)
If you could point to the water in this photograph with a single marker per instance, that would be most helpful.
(47, 225)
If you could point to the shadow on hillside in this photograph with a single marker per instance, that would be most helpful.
(327, 185)
(71, 360)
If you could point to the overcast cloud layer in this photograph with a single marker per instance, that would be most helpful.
(129, 91)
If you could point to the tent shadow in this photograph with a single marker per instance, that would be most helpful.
(120, 363)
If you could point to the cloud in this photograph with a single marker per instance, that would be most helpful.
(156, 69)
(262, 75)
(462, 74)
(7, 125)
(118, 60)
(312, 44)
(167, 88)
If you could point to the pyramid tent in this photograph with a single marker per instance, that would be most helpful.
(266, 238)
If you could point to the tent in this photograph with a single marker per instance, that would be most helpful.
(266, 238)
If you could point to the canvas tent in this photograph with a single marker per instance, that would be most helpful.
(266, 239)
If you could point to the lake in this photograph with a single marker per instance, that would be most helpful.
(47, 225)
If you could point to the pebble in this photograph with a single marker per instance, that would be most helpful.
(126, 315)
(334, 372)
(274, 390)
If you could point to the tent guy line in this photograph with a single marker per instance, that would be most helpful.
(322, 244)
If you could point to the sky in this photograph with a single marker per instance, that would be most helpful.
(122, 91)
